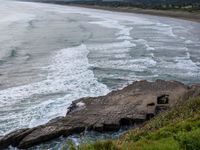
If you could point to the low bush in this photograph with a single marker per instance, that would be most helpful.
(176, 129)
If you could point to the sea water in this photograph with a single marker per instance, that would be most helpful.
(51, 55)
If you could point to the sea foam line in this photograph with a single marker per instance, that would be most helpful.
(68, 74)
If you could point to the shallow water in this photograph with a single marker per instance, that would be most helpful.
(61, 143)
(51, 55)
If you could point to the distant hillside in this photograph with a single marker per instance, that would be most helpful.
(145, 2)
(155, 4)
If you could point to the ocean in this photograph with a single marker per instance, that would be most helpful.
(51, 55)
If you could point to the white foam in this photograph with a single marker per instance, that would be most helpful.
(139, 64)
(68, 73)
(121, 55)
(145, 43)
(162, 28)
(124, 31)
(181, 66)
(189, 42)
(111, 47)
(185, 63)
(124, 38)
(149, 48)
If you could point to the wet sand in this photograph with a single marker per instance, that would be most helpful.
(185, 15)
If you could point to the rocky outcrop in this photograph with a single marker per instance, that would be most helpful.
(132, 105)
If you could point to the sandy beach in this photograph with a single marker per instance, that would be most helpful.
(185, 15)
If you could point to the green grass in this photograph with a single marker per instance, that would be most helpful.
(176, 129)
(101, 145)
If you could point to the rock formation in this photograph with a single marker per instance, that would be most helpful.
(132, 105)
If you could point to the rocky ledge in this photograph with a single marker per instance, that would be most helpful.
(132, 105)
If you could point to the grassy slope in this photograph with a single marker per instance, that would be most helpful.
(176, 129)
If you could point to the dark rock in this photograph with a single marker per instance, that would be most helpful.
(126, 122)
(149, 116)
(132, 105)
(150, 104)
(160, 109)
(41, 134)
(55, 120)
(14, 138)
(106, 127)
(163, 99)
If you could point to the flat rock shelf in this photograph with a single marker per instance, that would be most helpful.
(132, 105)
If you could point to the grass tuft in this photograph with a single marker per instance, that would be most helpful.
(176, 129)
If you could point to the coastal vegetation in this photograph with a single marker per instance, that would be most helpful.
(67, 81)
(185, 5)
(175, 129)
(176, 124)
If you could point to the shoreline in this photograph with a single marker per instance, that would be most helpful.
(177, 14)
(132, 106)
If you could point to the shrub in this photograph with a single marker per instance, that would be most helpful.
(101, 145)
(189, 140)
(176, 129)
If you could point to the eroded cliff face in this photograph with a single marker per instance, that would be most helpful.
(132, 105)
